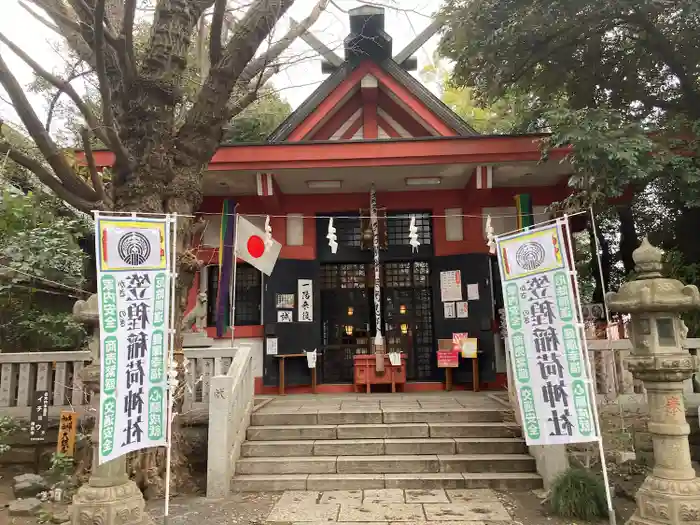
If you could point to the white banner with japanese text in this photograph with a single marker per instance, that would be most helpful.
(546, 352)
(133, 275)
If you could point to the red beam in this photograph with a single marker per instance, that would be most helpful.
(339, 118)
(388, 128)
(399, 114)
(354, 127)
(402, 152)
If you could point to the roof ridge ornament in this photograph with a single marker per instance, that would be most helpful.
(404, 58)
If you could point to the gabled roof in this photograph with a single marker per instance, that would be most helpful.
(371, 44)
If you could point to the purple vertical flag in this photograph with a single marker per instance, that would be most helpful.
(226, 240)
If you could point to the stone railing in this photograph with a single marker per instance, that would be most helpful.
(230, 405)
(204, 364)
(608, 364)
(21, 374)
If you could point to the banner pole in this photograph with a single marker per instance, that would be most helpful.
(171, 359)
(586, 360)
(233, 291)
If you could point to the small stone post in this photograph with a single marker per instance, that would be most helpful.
(109, 497)
(671, 493)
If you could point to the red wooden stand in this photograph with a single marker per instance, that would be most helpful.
(366, 372)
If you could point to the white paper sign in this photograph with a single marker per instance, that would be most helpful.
(473, 292)
(462, 309)
(544, 338)
(451, 285)
(285, 316)
(395, 358)
(305, 299)
(271, 346)
(449, 310)
(133, 272)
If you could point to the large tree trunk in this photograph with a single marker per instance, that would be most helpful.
(152, 189)
(687, 226)
(601, 286)
(628, 236)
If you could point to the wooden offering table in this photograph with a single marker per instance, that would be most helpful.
(365, 372)
(282, 384)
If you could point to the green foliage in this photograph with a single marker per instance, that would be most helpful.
(511, 113)
(39, 239)
(61, 466)
(8, 426)
(678, 268)
(578, 494)
(638, 56)
(259, 120)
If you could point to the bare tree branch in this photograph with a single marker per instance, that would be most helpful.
(65, 27)
(115, 143)
(90, 159)
(295, 31)
(199, 136)
(215, 33)
(43, 141)
(56, 96)
(38, 17)
(46, 177)
(246, 99)
(127, 36)
(62, 86)
(202, 60)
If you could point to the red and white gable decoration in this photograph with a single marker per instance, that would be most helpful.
(370, 104)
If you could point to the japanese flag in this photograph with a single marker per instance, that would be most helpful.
(252, 248)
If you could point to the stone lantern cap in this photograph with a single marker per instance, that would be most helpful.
(650, 291)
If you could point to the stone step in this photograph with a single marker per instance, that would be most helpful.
(473, 430)
(280, 482)
(291, 432)
(277, 416)
(463, 463)
(490, 446)
(387, 464)
(376, 447)
(383, 431)
(289, 465)
(420, 446)
(452, 415)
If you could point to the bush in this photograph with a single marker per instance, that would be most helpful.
(578, 493)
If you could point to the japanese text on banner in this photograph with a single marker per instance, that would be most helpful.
(545, 342)
(134, 292)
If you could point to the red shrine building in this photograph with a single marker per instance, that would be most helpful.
(371, 123)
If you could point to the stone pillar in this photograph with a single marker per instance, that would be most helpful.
(671, 493)
(109, 497)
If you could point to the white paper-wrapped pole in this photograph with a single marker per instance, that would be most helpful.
(268, 232)
(332, 237)
(490, 237)
(413, 235)
(378, 338)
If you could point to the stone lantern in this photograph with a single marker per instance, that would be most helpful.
(671, 493)
(109, 497)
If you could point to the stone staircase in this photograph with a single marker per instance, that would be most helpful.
(447, 440)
